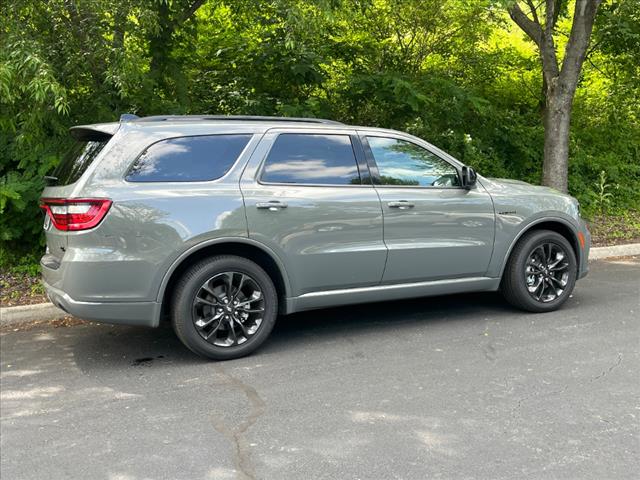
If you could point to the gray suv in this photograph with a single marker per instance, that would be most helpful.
(222, 223)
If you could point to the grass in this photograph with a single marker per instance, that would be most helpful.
(20, 289)
(608, 229)
(20, 282)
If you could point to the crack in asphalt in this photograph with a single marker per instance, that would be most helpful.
(566, 387)
(242, 454)
(605, 372)
(539, 394)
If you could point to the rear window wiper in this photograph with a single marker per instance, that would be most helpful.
(50, 181)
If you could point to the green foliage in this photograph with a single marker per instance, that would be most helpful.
(456, 73)
(31, 104)
(602, 195)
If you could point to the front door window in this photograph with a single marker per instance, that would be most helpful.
(407, 164)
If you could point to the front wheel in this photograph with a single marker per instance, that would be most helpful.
(224, 307)
(541, 272)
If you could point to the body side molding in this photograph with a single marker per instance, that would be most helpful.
(380, 293)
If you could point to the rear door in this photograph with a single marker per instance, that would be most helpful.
(308, 196)
(434, 229)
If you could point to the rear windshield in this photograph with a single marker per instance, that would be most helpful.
(77, 160)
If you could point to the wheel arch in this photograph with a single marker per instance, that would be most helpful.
(242, 247)
(555, 224)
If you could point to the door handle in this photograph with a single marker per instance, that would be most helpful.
(402, 205)
(271, 206)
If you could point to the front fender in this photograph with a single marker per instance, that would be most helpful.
(509, 230)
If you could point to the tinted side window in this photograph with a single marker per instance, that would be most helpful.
(77, 160)
(311, 159)
(188, 159)
(405, 163)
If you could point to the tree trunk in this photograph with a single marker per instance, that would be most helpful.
(559, 84)
(557, 119)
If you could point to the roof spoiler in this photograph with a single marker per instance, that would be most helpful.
(100, 132)
(128, 117)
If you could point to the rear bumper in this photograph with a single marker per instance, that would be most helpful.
(145, 314)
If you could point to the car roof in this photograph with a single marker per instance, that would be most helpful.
(167, 126)
(201, 124)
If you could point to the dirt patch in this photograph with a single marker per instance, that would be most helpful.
(608, 230)
(59, 323)
(20, 289)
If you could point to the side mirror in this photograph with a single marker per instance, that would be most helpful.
(469, 177)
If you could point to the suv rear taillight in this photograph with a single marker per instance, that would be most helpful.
(73, 214)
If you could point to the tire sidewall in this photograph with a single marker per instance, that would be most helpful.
(182, 315)
(528, 246)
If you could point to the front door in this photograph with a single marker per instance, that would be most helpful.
(434, 229)
(309, 198)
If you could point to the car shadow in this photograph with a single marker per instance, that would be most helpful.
(387, 315)
(107, 353)
(109, 347)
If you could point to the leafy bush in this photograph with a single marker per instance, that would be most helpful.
(455, 73)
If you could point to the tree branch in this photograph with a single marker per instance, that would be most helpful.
(548, 47)
(534, 12)
(576, 49)
(549, 23)
(531, 28)
(192, 10)
(543, 39)
(595, 66)
(556, 11)
(593, 48)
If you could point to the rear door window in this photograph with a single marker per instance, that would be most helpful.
(188, 159)
(77, 160)
(312, 159)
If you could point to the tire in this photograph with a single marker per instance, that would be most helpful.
(529, 256)
(203, 292)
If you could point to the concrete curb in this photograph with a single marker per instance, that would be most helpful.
(41, 312)
(599, 253)
(44, 312)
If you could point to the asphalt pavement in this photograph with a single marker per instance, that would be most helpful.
(449, 387)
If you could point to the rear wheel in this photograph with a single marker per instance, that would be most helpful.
(541, 272)
(224, 307)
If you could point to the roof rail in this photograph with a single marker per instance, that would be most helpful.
(246, 118)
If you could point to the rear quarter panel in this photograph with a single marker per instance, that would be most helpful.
(149, 225)
(144, 233)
